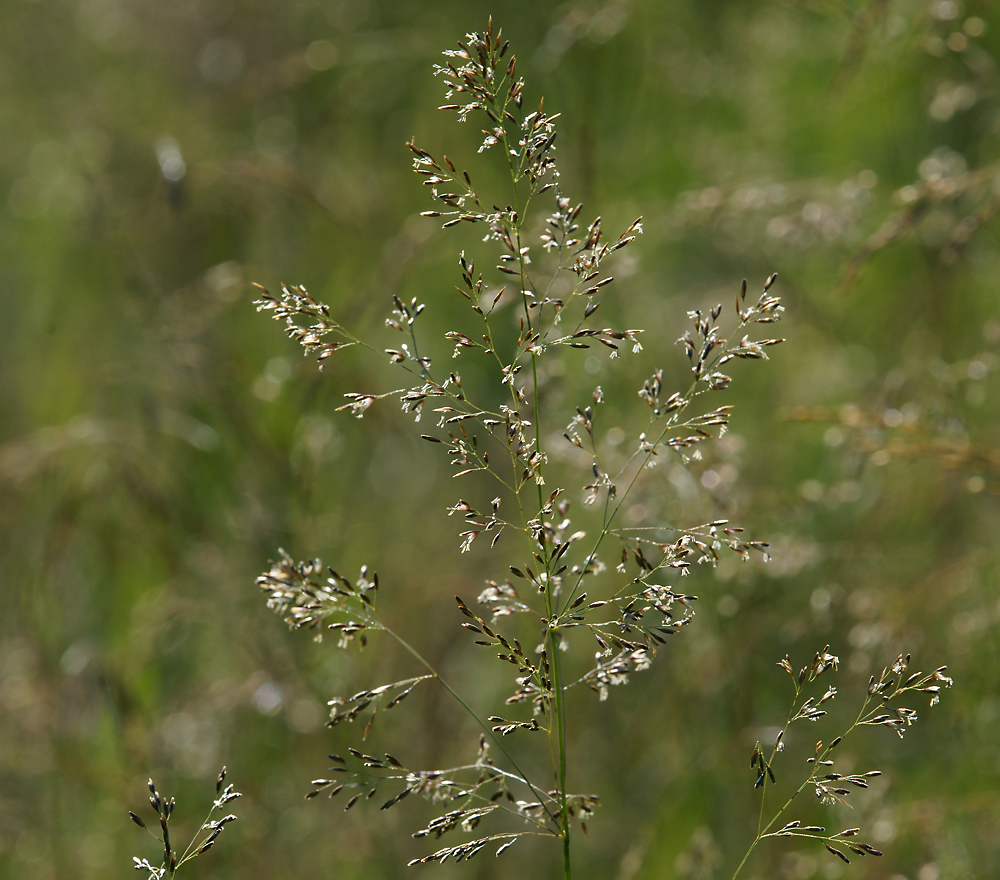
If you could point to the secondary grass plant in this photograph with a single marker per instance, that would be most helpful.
(201, 841)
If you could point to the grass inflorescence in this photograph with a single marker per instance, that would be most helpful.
(563, 571)
(201, 841)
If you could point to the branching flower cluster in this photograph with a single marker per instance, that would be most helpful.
(294, 591)
(202, 841)
(296, 307)
(497, 434)
(879, 707)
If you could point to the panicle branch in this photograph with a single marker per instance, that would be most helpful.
(830, 786)
(210, 828)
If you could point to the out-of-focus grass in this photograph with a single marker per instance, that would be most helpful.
(159, 441)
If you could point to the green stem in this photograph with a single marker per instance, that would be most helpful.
(745, 857)
(560, 713)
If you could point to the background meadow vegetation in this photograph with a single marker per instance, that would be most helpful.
(159, 440)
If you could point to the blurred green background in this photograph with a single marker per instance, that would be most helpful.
(159, 440)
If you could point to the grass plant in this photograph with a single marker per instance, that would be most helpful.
(569, 567)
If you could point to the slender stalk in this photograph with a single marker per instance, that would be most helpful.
(560, 713)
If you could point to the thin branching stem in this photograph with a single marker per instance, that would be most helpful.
(483, 725)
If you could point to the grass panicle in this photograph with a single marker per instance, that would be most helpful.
(565, 571)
